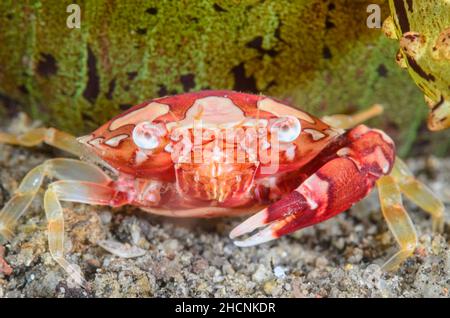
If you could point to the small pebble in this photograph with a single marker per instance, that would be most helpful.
(105, 217)
(279, 272)
(269, 287)
(321, 262)
(261, 274)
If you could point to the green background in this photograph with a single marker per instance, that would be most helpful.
(318, 55)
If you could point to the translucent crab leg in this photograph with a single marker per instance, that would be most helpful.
(398, 221)
(419, 193)
(349, 121)
(58, 168)
(75, 191)
(82, 192)
(50, 136)
(55, 220)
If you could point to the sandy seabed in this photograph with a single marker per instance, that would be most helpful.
(195, 258)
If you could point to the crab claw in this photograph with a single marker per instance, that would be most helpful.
(252, 223)
(291, 213)
(272, 218)
(333, 188)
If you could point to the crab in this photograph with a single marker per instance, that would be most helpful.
(224, 153)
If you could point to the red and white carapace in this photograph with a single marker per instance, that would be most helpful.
(219, 153)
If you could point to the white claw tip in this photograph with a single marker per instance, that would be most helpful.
(249, 225)
(263, 236)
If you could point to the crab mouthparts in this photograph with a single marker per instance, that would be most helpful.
(218, 182)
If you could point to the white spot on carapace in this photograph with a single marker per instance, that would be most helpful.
(85, 139)
(140, 157)
(315, 134)
(343, 152)
(290, 153)
(213, 112)
(96, 142)
(280, 110)
(115, 141)
(168, 148)
(146, 113)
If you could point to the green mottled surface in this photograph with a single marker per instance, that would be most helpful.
(317, 54)
(423, 30)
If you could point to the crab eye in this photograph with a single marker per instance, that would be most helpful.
(288, 128)
(146, 135)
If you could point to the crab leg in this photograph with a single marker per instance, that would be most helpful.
(58, 168)
(419, 193)
(75, 191)
(349, 121)
(50, 136)
(82, 183)
(83, 192)
(398, 221)
(55, 219)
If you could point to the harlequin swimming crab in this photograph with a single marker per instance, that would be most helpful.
(224, 153)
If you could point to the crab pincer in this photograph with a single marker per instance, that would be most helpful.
(349, 173)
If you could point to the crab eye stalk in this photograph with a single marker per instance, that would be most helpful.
(288, 128)
(147, 135)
